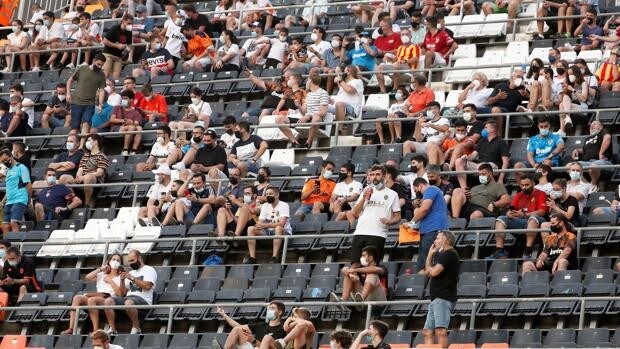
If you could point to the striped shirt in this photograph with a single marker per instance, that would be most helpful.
(407, 52)
(91, 162)
(315, 100)
(604, 73)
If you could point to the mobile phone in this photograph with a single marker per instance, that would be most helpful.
(187, 192)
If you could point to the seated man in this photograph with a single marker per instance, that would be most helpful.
(560, 251)
(438, 44)
(153, 105)
(375, 334)
(247, 151)
(405, 58)
(347, 190)
(251, 336)
(340, 339)
(544, 148)
(210, 160)
(527, 211)
(58, 110)
(596, 150)
(483, 200)
(156, 210)
(229, 197)
(159, 194)
(560, 201)
(185, 152)
(100, 339)
(137, 286)
(316, 193)
(273, 220)
(19, 276)
(67, 162)
(612, 210)
(56, 201)
(14, 120)
(507, 96)
(235, 223)
(195, 207)
(300, 331)
(433, 173)
(162, 148)
(429, 130)
(366, 282)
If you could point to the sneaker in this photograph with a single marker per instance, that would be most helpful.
(83, 63)
(179, 166)
(35, 69)
(250, 260)
(539, 37)
(155, 222)
(70, 66)
(560, 133)
(212, 234)
(526, 256)
(142, 222)
(522, 109)
(298, 145)
(398, 140)
(230, 233)
(133, 152)
(111, 332)
(357, 297)
(279, 343)
(135, 330)
(274, 260)
(215, 344)
(6, 70)
(499, 254)
(125, 152)
(333, 297)
(568, 121)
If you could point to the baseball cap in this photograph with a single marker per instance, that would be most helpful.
(163, 169)
(211, 132)
(141, 8)
(181, 13)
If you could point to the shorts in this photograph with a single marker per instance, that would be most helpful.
(497, 9)
(439, 60)
(596, 163)
(361, 241)
(232, 226)
(56, 121)
(609, 212)
(113, 64)
(377, 294)
(473, 166)
(349, 110)
(80, 114)
(204, 61)
(271, 63)
(137, 300)
(305, 209)
(13, 290)
(519, 223)
(272, 232)
(419, 147)
(438, 315)
(502, 109)
(469, 208)
(13, 212)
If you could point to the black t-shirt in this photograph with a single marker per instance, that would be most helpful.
(512, 101)
(570, 201)
(261, 329)
(474, 128)
(54, 101)
(492, 151)
(117, 36)
(402, 192)
(198, 22)
(444, 285)
(211, 157)
(592, 145)
(75, 158)
(196, 206)
(382, 345)
(23, 270)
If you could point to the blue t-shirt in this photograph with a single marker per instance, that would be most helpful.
(16, 179)
(437, 216)
(103, 117)
(587, 31)
(541, 147)
(55, 196)
(361, 58)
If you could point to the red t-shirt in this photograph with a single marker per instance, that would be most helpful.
(530, 203)
(156, 104)
(440, 42)
(137, 99)
(388, 43)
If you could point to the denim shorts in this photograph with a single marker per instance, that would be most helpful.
(519, 223)
(80, 114)
(13, 212)
(304, 209)
(438, 315)
(609, 212)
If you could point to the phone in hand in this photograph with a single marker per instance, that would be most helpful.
(187, 192)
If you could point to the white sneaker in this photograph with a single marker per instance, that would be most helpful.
(35, 69)
(81, 64)
(178, 166)
(133, 152)
(70, 66)
(135, 330)
(568, 121)
(125, 153)
(523, 109)
(6, 70)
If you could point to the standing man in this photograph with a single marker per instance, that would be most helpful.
(18, 192)
(442, 268)
(377, 209)
(432, 216)
(90, 84)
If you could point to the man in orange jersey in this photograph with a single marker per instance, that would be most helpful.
(316, 192)
(406, 57)
(153, 105)
(200, 49)
(607, 74)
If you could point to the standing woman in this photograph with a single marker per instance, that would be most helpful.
(108, 280)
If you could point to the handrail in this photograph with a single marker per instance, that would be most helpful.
(370, 304)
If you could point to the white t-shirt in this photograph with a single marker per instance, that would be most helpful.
(105, 287)
(432, 135)
(270, 214)
(277, 50)
(229, 140)
(251, 48)
(396, 107)
(344, 190)
(114, 346)
(114, 99)
(158, 188)
(56, 31)
(29, 111)
(321, 47)
(478, 97)
(161, 151)
(382, 204)
(93, 29)
(547, 188)
(243, 6)
(580, 187)
(320, 6)
(355, 99)
(147, 274)
(234, 49)
(37, 15)
(202, 108)
(15, 39)
(175, 38)
(221, 12)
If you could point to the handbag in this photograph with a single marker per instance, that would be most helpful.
(408, 235)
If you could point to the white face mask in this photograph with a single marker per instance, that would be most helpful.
(16, 29)
(276, 32)
(572, 78)
(364, 40)
(430, 114)
(37, 27)
(160, 140)
(196, 100)
(333, 345)
(282, 38)
(247, 199)
(124, 103)
(222, 40)
(541, 78)
(89, 145)
(62, 97)
(114, 264)
(70, 146)
(12, 109)
(327, 174)
(335, 43)
(289, 83)
(313, 37)
(364, 261)
(72, 27)
(476, 83)
(405, 39)
(156, 46)
(439, 26)
(518, 81)
(574, 175)
(179, 22)
(467, 116)
(459, 136)
(129, 27)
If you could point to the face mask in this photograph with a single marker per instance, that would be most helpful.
(560, 71)
(233, 180)
(414, 168)
(415, 25)
(79, 9)
(238, 134)
(2, 253)
(459, 136)
(544, 131)
(12, 109)
(196, 100)
(179, 22)
(582, 70)
(282, 38)
(135, 265)
(555, 228)
(398, 96)
(96, 67)
(313, 37)
(46, 22)
(124, 103)
(574, 175)
(253, 34)
(160, 140)
(16, 29)
(261, 178)
(128, 27)
(534, 68)
(556, 194)
(197, 139)
(199, 190)
(439, 26)
(51, 180)
(37, 27)
(369, 338)
(483, 179)
(518, 82)
(405, 39)
(484, 133)
(271, 199)
(528, 191)
(467, 116)
(379, 185)
(8, 163)
(276, 32)
(364, 40)
(332, 345)
(114, 264)
(222, 40)
(289, 83)
(541, 78)
(72, 27)
(70, 146)
(89, 145)
(572, 78)
(247, 199)
(13, 263)
(363, 261)
(156, 46)
(62, 97)
(432, 181)
(430, 114)
(335, 43)
(551, 59)
(270, 315)
(327, 174)
(342, 176)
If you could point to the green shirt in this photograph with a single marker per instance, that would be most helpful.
(482, 195)
(88, 82)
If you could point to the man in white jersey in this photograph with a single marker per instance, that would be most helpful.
(346, 192)
(376, 209)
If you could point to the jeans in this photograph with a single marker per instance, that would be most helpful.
(425, 244)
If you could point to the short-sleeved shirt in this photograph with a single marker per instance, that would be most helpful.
(157, 188)
(419, 99)
(359, 57)
(592, 146)
(444, 285)
(407, 52)
(199, 44)
(553, 251)
(74, 158)
(440, 42)
(55, 196)
(158, 58)
(437, 217)
(478, 97)
(315, 100)
(321, 47)
(388, 42)
(105, 287)
(433, 135)
(245, 150)
(581, 187)
(146, 274)
(124, 114)
(570, 201)
(211, 157)
(492, 151)
(605, 72)
(277, 50)
(262, 329)
(175, 38)
(55, 31)
(382, 204)
(587, 31)
(530, 203)
(202, 108)
(344, 190)
(234, 50)
(16, 179)
(270, 214)
(513, 99)
(23, 270)
(202, 20)
(54, 101)
(542, 147)
(355, 99)
(118, 36)
(326, 188)
(161, 151)
(205, 193)
(484, 194)
(92, 162)
(157, 104)
(88, 83)
(101, 118)
(474, 128)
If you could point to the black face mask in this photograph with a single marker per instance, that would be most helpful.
(590, 20)
(238, 134)
(211, 146)
(79, 9)
(271, 199)
(560, 71)
(534, 68)
(261, 178)
(342, 176)
(528, 191)
(414, 168)
(233, 180)
(135, 265)
(555, 228)
(380, 31)
(96, 67)
(538, 175)
(433, 182)
(230, 131)
(197, 139)
(419, 195)
(415, 24)
(8, 163)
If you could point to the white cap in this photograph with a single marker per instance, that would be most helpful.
(163, 169)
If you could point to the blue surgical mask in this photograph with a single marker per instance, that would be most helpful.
(575, 175)
(484, 133)
(483, 179)
(51, 180)
(556, 194)
(551, 59)
(271, 314)
(544, 131)
(2, 253)
(398, 96)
